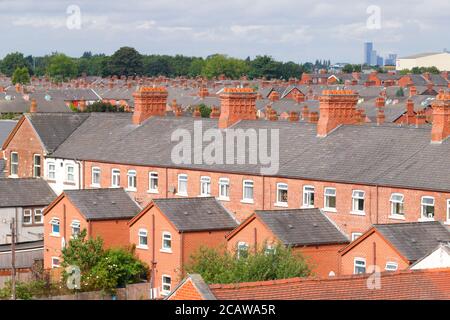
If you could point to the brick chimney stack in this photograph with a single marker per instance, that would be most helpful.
(337, 107)
(236, 104)
(203, 92)
(314, 117)
(412, 91)
(410, 115)
(441, 118)
(380, 116)
(215, 112)
(293, 116)
(197, 113)
(149, 101)
(379, 102)
(305, 112)
(33, 107)
(82, 105)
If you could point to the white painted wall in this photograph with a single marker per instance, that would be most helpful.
(24, 233)
(440, 61)
(440, 258)
(60, 182)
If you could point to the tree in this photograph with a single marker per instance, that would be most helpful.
(12, 61)
(205, 111)
(219, 64)
(61, 67)
(100, 106)
(126, 61)
(21, 76)
(399, 92)
(221, 266)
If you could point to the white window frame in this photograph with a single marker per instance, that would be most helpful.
(115, 178)
(75, 224)
(307, 192)
(166, 236)
(55, 221)
(35, 166)
(422, 207)
(40, 214)
(51, 173)
(132, 180)
(67, 174)
(358, 259)
(95, 171)
(165, 292)
(182, 177)
(355, 197)
(153, 176)
(224, 183)
(248, 184)
(326, 196)
(281, 186)
(14, 164)
(391, 266)
(141, 234)
(205, 183)
(394, 202)
(55, 265)
(356, 235)
(241, 244)
(27, 213)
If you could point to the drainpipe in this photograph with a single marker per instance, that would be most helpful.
(153, 271)
(64, 222)
(374, 254)
(167, 181)
(264, 191)
(255, 232)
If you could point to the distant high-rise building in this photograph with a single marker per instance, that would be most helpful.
(368, 48)
(390, 59)
(373, 58)
(380, 61)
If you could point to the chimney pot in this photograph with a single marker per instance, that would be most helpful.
(149, 101)
(441, 118)
(236, 104)
(33, 107)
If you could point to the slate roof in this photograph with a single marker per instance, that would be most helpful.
(415, 239)
(196, 214)
(27, 253)
(103, 204)
(2, 168)
(298, 227)
(25, 192)
(54, 128)
(6, 126)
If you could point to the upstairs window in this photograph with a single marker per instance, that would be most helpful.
(205, 186)
(55, 262)
(308, 196)
(38, 217)
(51, 171)
(247, 192)
(166, 285)
(166, 242)
(428, 208)
(96, 176)
(282, 193)
(397, 204)
(27, 216)
(143, 238)
(76, 228)
(182, 184)
(36, 165)
(54, 222)
(132, 180)
(224, 188)
(359, 266)
(14, 163)
(356, 235)
(153, 182)
(70, 173)
(330, 198)
(358, 201)
(115, 178)
(391, 266)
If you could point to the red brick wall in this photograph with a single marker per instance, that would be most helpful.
(186, 292)
(26, 143)
(365, 249)
(115, 233)
(194, 240)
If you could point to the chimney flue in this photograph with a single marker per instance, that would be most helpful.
(149, 101)
(236, 104)
(441, 118)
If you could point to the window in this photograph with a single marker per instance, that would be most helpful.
(38, 218)
(242, 250)
(166, 284)
(143, 238)
(54, 222)
(132, 182)
(224, 188)
(36, 165)
(308, 196)
(55, 262)
(14, 163)
(153, 182)
(51, 171)
(270, 249)
(397, 204)
(428, 208)
(282, 193)
(391, 266)
(70, 176)
(448, 210)
(247, 193)
(166, 242)
(205, 186)
(27, 217)
(358, 201)
(115, 178)
(330, 199)
(359, 266)
(356, 235)
(182, 184)
(96, 176)
(76, 228)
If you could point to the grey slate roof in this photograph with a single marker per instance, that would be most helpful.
(27, 253)
(2, 168)
(196, 214)
(103, 204)
(415, 239)
(25, 192)
(54, 128)
(299, 227)
(6, 127)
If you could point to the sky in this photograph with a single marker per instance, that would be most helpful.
(288, 30)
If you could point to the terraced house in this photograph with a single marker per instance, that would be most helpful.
(359, 174)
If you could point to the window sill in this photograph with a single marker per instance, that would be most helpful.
(153, 191)
(14, 176)
(95, 186)
(425, 219)
(223, 198)
(358, 213)
(55, 235)
(142, 247)
(333, 210)
(165, 250)
(307, 207)
(181, 194)
(69, 183)
(164, 293)
(447, 222)
(51, 180)
(247, 201)
(396, 217)
(204, 195)
(131, 189)
(280, 204)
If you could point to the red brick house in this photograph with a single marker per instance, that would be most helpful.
(103, 213)
(167, 231)
(307, 231)
(403, 285)
(392, 247)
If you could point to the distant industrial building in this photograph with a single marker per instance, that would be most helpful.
(440, 60)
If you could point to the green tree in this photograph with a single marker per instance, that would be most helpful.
(21, 76)
(399, 92)
(100, 106)
(221, 266)
(12, 61)
(219, 64)
(126, 61)
(205, 111)
(61, 67)
(196, 67)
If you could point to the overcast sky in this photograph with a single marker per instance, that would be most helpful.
(294, 30)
